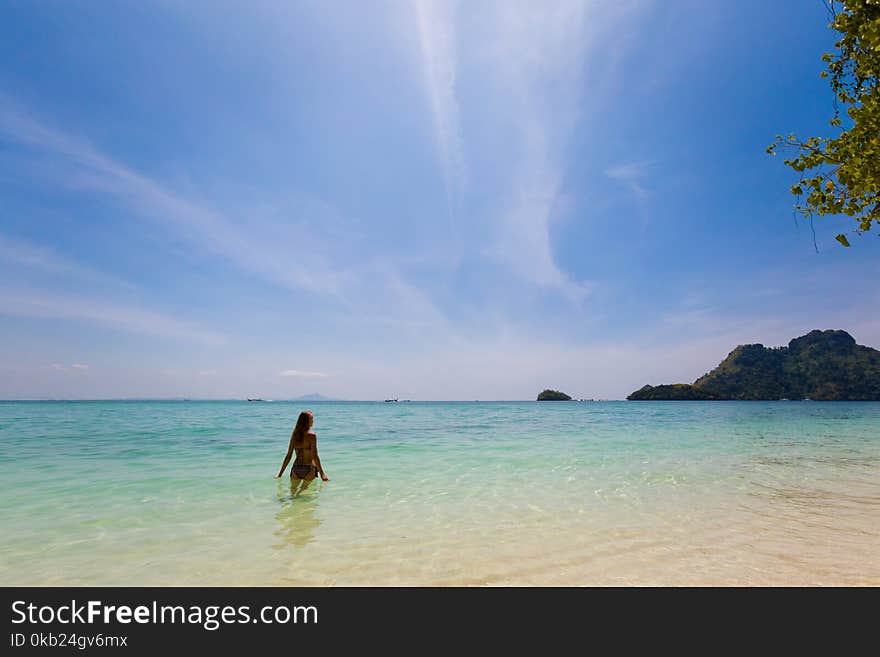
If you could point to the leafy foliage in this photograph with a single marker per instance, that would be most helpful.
(821, 365)
(553, 395)
(844, 171)
(672, 392)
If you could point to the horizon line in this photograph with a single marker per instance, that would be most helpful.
(275, 401)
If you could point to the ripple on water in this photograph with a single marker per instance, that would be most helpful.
(436, 493)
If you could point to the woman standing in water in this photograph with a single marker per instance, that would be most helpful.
(307, 464)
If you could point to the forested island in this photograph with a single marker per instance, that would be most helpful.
(821, 366)
(553, 395)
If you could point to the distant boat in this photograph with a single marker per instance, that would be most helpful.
(390, 400)
(257, 399)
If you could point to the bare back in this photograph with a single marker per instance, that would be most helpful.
(305, 451)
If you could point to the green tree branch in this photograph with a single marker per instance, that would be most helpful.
(844, 171)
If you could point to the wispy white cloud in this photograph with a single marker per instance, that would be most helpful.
(631, 174)
(203, 226)
(303, 374)
(435, 20)
(21, 254)
(531, 59)
(535, 53)
(35, 304)
(60, 367)
(298, 252)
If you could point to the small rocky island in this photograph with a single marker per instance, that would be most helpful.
(553, 395)
(821, 366)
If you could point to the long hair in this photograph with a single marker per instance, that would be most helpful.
(302, 425)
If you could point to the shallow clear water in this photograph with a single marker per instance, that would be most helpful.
(525, 493)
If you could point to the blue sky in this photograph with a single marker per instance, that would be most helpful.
(430, 200)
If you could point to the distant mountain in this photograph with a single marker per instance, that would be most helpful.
(314, 397)
(821, 365)
(553, 395)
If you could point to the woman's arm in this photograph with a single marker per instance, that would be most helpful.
(286, 458)
(324, 477)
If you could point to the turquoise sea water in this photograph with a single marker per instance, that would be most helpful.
(524, 493)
